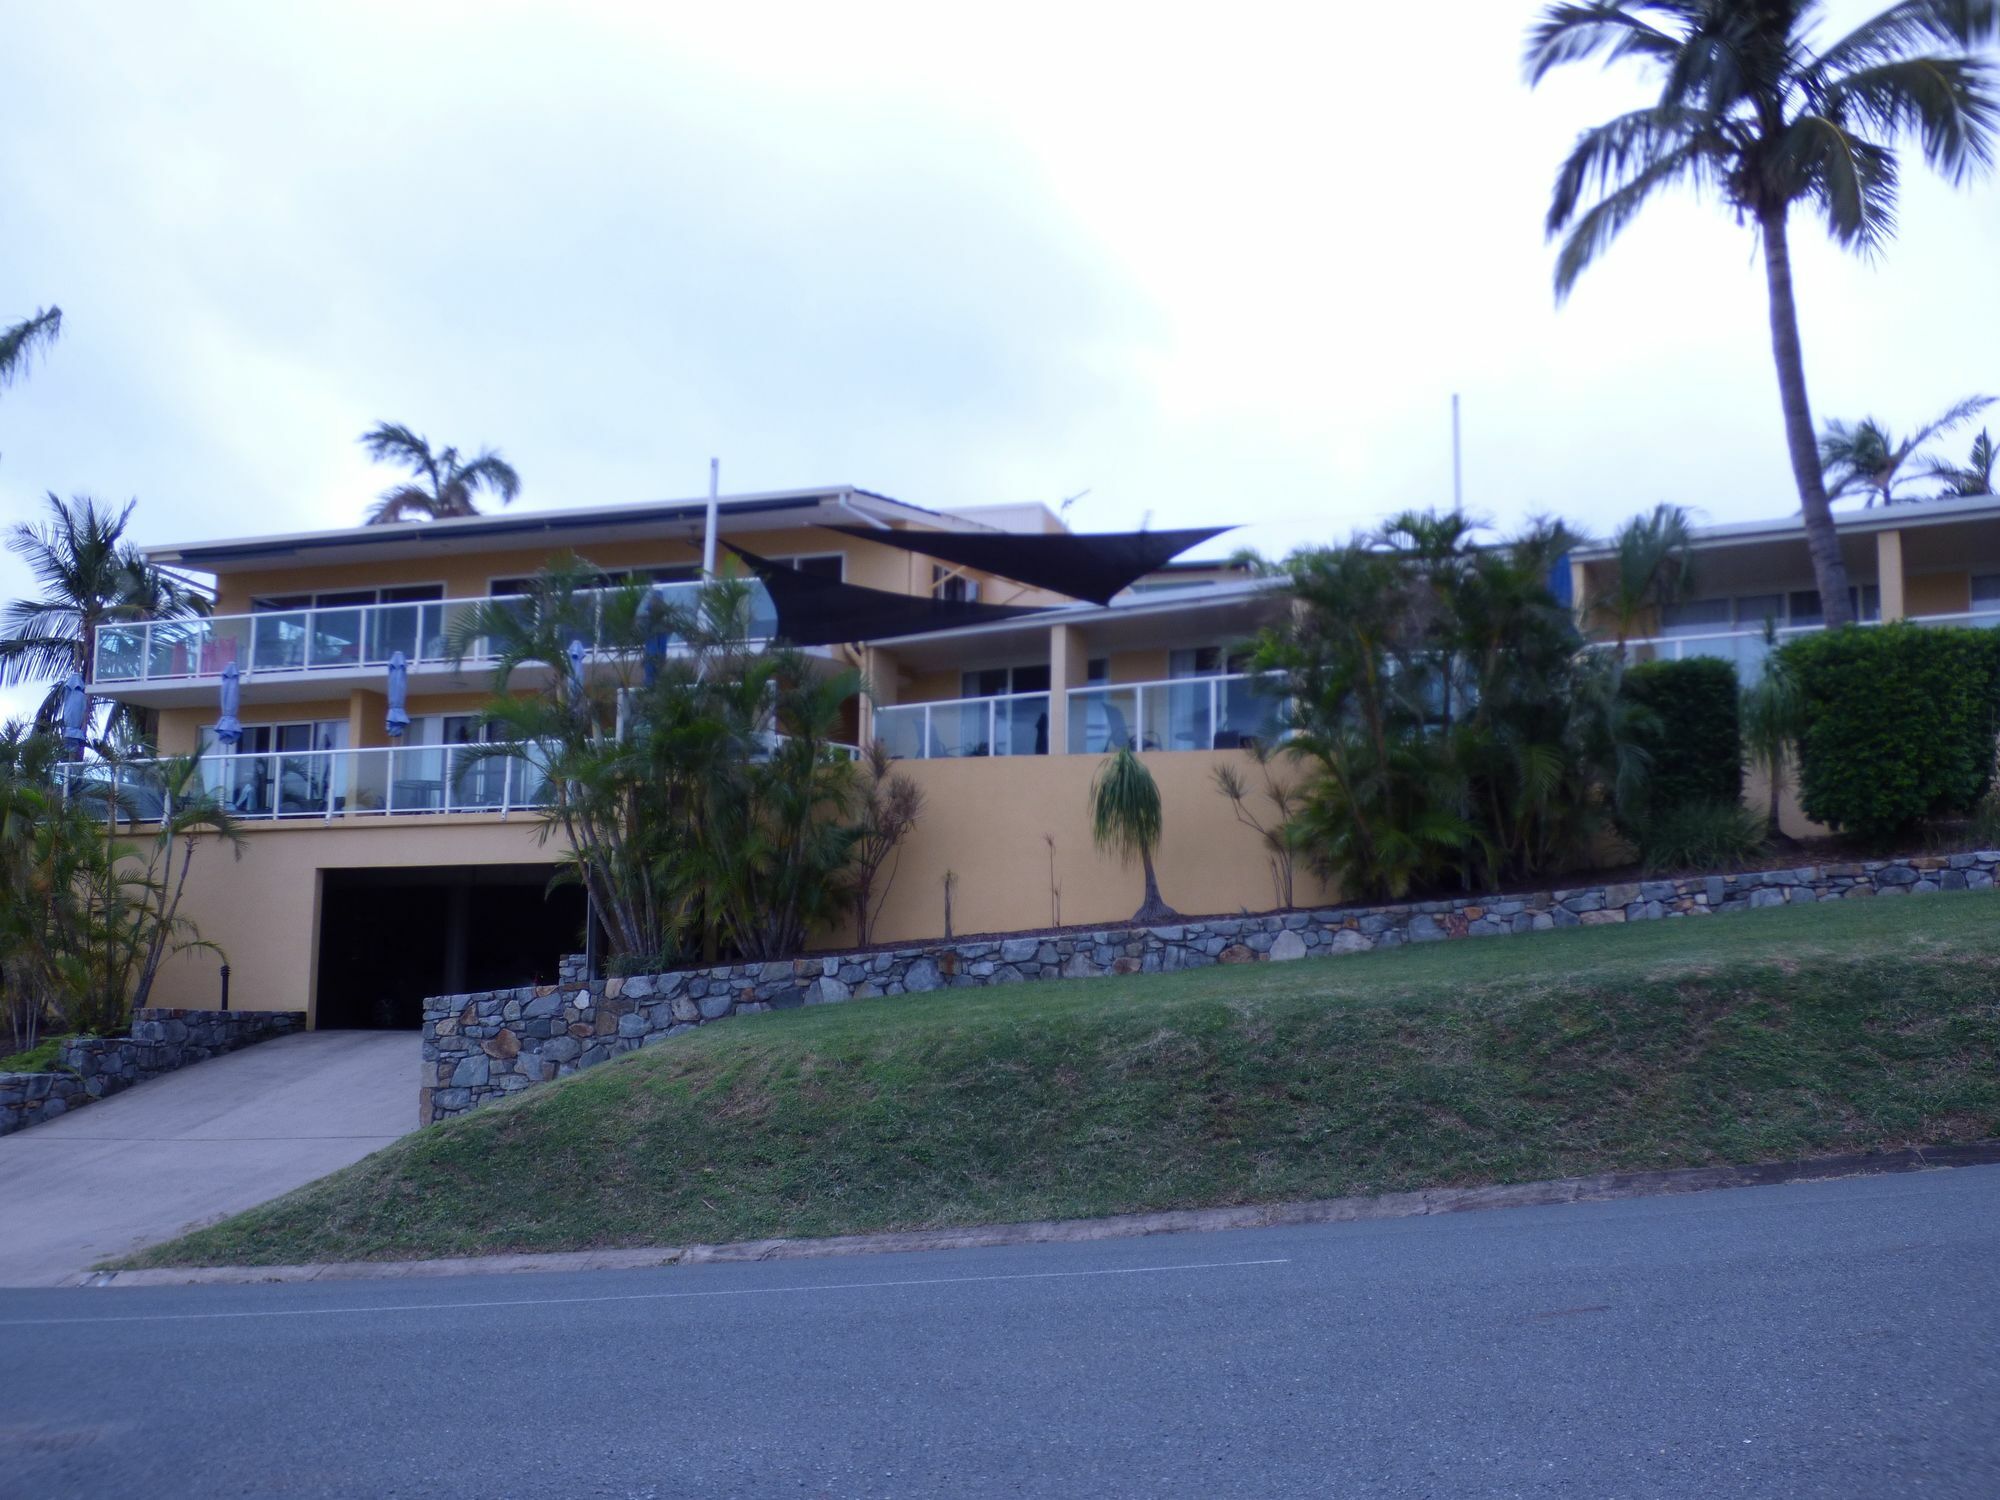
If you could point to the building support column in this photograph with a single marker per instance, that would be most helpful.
(878, 683)
(1889, 573)
(1069, 667)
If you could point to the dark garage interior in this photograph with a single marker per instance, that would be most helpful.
(389, 938)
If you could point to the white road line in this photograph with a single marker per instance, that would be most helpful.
(747, 1291)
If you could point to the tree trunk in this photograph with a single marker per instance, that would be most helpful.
(1821, 538)
(1153, 909)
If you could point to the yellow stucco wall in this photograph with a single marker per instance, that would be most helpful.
(1937, 594)
(264, 907)
(985, 819)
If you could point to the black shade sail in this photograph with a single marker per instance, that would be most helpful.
(816, 611)
(1092, 567)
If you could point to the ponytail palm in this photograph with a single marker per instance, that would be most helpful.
(1753, 112)
(1125, 820)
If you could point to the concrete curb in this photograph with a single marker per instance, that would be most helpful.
(1602, 1188)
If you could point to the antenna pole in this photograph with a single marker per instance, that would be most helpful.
(708, 533)
(1457, 461)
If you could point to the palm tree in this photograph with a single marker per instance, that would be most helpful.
(1976, 478)
(443, 484)
(90, 577)
(1125, 820)
(1753, 112)
(1773, 717)
(1653, 567)
(1862, 457)
(20, 343)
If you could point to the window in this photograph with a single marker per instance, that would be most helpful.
(1752, 610)
(993, 682)
(1195, 661)
(1697, 617)
(819, 565)
(1096, 670)
(953, 586)
(1985, 589)
(1865, 602)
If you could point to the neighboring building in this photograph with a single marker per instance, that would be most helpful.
(1937, 561)
(378, 873)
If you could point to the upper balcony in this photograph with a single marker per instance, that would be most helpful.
(309, 652)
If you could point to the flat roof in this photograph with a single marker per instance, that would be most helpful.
(765, 509)
(1907, 516)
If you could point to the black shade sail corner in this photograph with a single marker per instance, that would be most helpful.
(815, 611)
(1093, 567)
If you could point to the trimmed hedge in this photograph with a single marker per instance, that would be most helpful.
(1900, 723)
(1696, 739)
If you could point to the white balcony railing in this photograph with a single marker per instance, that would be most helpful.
(333, 639)
(325, 784)
(1748, 648)
(1179, 713)
(1008, 724)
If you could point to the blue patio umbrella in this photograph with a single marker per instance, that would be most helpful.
(399, 696)
(76, 712)
(228, 729)
(576, 655)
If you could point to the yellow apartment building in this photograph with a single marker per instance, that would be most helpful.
(379, 871)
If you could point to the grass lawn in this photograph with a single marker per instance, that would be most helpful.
(1750, 1037)
(39, 1058)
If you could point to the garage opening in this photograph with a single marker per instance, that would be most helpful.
(390, 938)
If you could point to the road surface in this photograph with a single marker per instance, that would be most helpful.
(1834, 1339)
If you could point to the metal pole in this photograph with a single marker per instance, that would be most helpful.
(708, 533)
(225, 986)
(1457, 463)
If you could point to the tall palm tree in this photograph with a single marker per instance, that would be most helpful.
(1753, 112)
(442, 485)
(1652, 567)
(90, 577)
(1125, 820)
(20, 343)
(1975, 477)
(1863, 458)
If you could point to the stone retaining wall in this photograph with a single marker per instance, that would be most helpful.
(91, 1067)
(481, 1047)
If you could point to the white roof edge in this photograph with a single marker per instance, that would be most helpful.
(1886, 518)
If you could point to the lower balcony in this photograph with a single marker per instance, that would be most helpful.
(1748, 648)
(1182, 713)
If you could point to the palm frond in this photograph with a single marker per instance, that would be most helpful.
(1949, 103)
(1594, 230)
(1910, 26)
(1853, 180)
(20, 343)
(1611, 29)
(1609, 156)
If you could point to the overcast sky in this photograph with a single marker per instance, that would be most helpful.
(1223, 268)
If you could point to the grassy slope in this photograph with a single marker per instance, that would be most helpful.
(1740, 1038)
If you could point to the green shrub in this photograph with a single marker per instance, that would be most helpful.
(1702, 836)
(1899, 724)
(1693, 733)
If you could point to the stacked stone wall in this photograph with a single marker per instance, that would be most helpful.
(482, 1047)
(92, 1067)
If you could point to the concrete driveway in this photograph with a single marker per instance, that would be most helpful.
(198, 1145)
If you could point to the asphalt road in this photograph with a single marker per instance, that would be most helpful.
(1837, 1339)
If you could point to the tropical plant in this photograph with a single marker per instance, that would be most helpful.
(20, 342)
(1975, 477)
(48, 851)
(443, 484)
(1752, 111)
(1652, 568)
(1703, 836)
(1863, 458)
(1454, 731)
(1277, 828)
(1125, 820)
(889, 804)
(691, 778)
(91, 577)
(1773, 718)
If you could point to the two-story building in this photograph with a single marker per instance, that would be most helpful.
(377, 871)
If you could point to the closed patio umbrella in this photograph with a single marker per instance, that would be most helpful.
(576, 655)
(76, 712)
(228, 729)
(399, 696)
